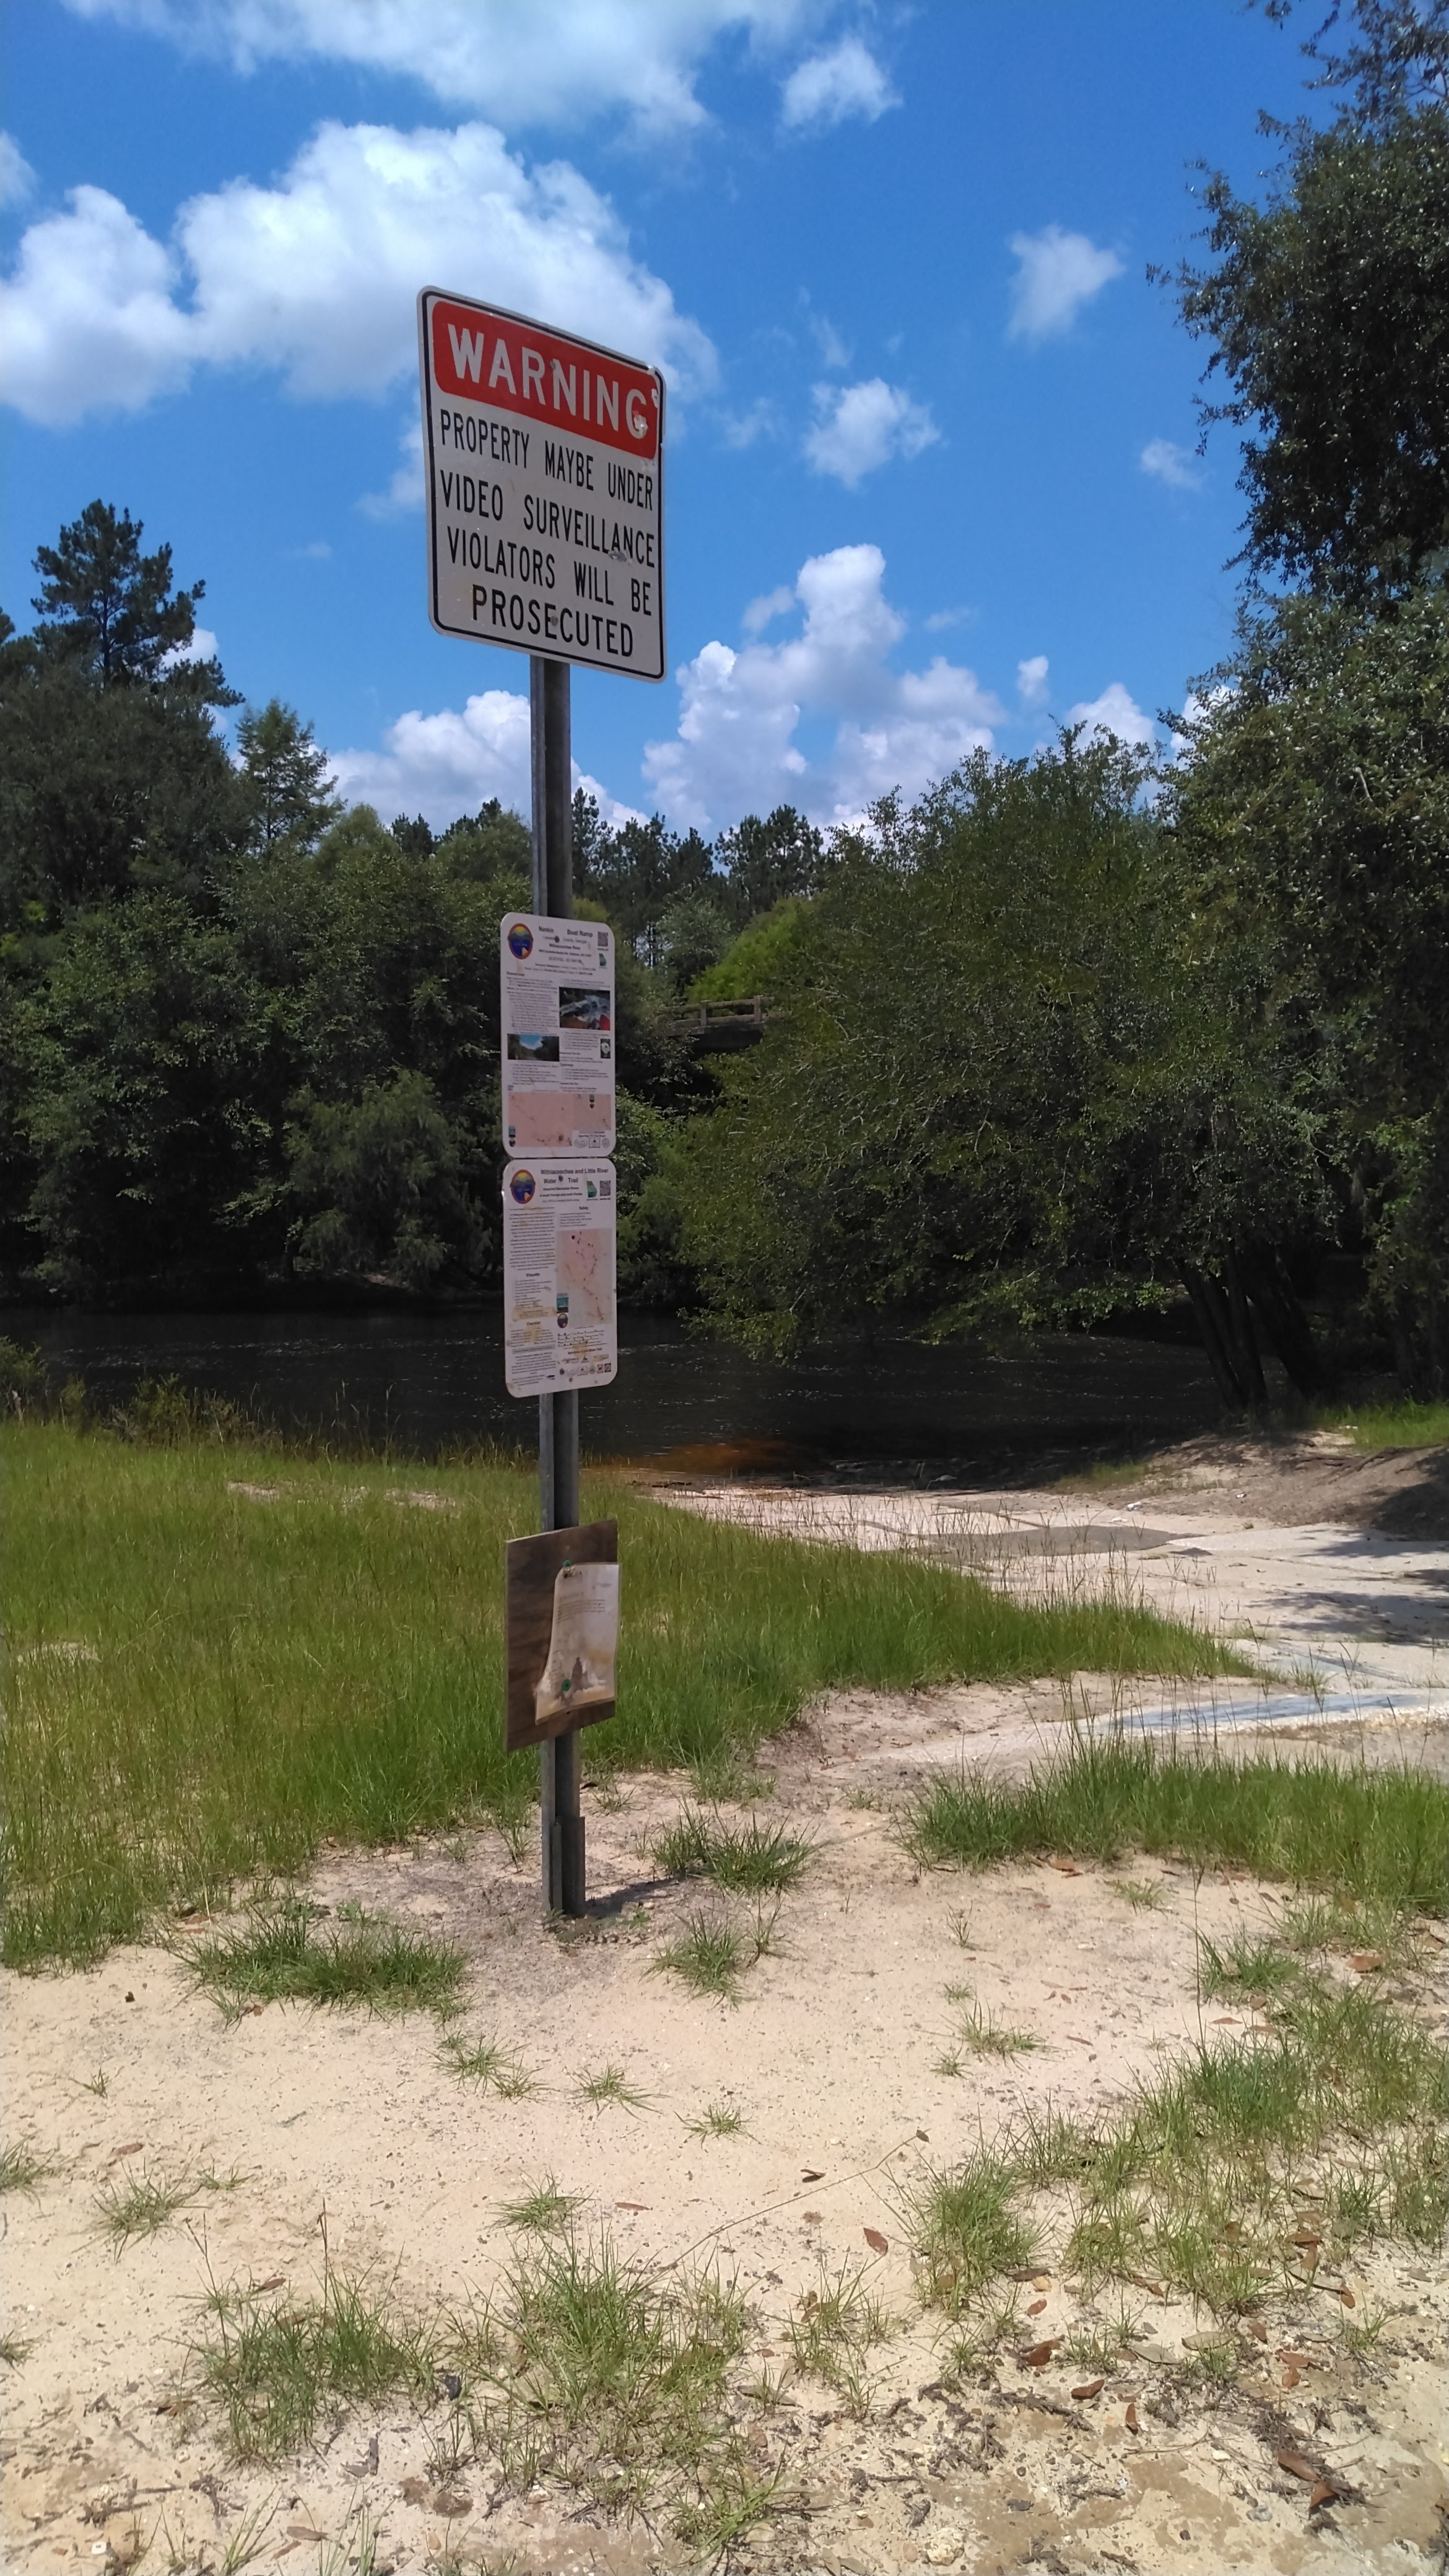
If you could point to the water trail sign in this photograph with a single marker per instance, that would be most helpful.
(560, 1315)
(543, 467)
(556, 986)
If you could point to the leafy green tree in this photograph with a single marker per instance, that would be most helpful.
(766, 861)
(1327, 312)
(285, 777)
(104, 604)
(1011, 1080)
(385, 1187)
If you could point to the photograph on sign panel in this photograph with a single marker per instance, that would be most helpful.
(526, 1049)
(583, 1006)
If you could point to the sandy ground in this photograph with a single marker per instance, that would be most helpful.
(831, 2058)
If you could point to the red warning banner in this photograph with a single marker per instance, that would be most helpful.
(487, 357)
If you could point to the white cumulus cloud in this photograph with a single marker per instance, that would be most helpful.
(1057, 273)
(846, 81)
(16, 176)
(1114, 712)
(444, 765)
(524, 61)
(1031, 680)
(862, 426)
(317, 276)
(736, 751)
(1171, 464)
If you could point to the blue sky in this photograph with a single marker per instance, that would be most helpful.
(931, 478)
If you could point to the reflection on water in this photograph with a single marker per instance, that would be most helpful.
(430, 1380)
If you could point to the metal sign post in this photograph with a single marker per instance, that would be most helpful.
(561, 1824)
(543, 468)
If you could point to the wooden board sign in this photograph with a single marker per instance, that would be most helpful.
(532, 1569)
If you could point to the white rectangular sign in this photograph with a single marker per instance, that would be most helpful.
(556, 1014)
(542, 461)
(560, 1317)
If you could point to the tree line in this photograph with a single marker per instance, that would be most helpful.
(1066, 1037)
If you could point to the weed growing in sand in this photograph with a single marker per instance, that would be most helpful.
(751, 1859)
(278, 2367)
(97, 2083)
(1141, 1894)
(245, 2543)
(544, 2211)
(1098, 2343)
(1234, 2175)
(832, 2330)
(1247, 1967)
(980, 2034)
(488, 2063)
(277, 1955)
(21, 2168)
(137, 2204)
(1401, 1424)
(610, 2084)
(1371, 1834)
(708, 1955)
(717, 2120)
(324, 1663)
(13, 2348)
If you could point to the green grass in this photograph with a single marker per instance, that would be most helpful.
(610, 2084)
(832, 2330)
(708, 1955)
(262, 1675)
(139, 2203)
(751, 1860)
(717, 2120)
(1398, 1424)
(979, 2034)
(488, 2063)
(276, 1955)
(1199, 2182)
(279, 2368)
(1367, 1833)
(544, 2211)
(20, 2167)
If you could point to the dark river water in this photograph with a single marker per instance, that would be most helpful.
(895, 1407)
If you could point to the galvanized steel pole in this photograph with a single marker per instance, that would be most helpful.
(558, 1415)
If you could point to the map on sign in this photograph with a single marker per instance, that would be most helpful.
(560, 1321)
(556, 994)
(542, 460)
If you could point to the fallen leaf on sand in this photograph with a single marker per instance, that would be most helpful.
(1090, 2388)
(1130, 2420)
(1291, 2377)
(1140, 2281)
(1068, 1868)
(1297, 2466)
(1041, 2280)
(1307, 2240)
(1366, 1961)
(132, 2148)
(1325, 2492)
(273, 2281)
(1256, 2329)
(1346, 2294)
(812, 2177)
(450, 2502)
(631, 2204)
(878, 2244)
(1040, 2353)
(1036, 2307)
(304, 2531)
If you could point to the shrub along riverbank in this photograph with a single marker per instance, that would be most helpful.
(222, 1654)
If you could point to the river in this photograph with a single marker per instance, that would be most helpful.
(895, 1407)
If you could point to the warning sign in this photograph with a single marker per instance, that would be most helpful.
(543, 465)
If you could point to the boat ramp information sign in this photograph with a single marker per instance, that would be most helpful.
(560, 1325)
(543, 464)
(556, 988)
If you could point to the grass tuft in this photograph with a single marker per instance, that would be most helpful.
(278, 2368)
(544, 2211)
(832, 2330)
(717, 2120)
(610, 2084)
(138, 2204)
(20, 2167)
(709, 1956)
(486, 2062)
(1379, 1832)
(750, 1860)
(277, 1955)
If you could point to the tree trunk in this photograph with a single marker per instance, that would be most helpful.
(1282, 1316)
(1214, 1324)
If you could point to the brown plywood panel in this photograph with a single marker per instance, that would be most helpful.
(531, 1566)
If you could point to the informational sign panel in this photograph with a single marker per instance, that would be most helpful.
(556, 1011)
(542, 459)
(561, 1624)
(560, 1317)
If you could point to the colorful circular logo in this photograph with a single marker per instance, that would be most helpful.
(520, 939)
(523, 1186)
